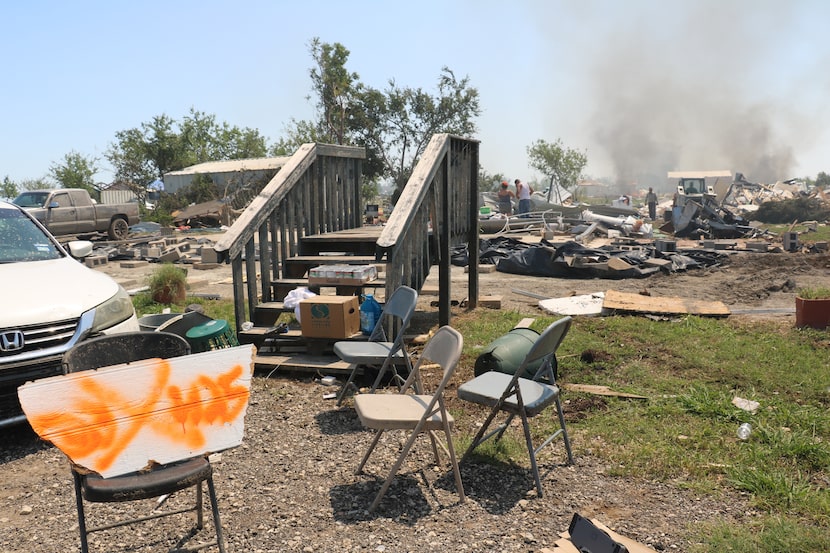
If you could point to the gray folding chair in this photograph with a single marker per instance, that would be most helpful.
(160, 480)
(522, 397)
(385, 352)
(415, 412)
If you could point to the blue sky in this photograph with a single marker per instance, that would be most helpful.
(642, 86)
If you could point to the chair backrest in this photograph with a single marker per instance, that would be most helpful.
(115, 349)
(444, 348)
(545, 348)
(397, 311)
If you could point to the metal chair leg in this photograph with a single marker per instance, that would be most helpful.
(214, 506)
(79, 500)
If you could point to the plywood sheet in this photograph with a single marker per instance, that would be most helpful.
(626, 301)
(120, 419)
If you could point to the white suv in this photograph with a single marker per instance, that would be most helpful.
(48, 302)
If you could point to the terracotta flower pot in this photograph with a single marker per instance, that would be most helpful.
(814, 313)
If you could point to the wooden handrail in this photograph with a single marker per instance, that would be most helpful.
(316, 191)
(437, 210)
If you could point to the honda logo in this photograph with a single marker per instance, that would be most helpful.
(12, 341)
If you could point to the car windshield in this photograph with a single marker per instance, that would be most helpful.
(22, 240)
(31, 199)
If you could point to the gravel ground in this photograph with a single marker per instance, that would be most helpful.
(291, 486)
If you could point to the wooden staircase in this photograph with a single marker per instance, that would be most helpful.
(311, 214)
(290, 349)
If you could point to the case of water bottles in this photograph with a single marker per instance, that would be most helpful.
(342, 275)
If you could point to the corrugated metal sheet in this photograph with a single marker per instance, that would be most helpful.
(220, 171)
(232, 166)
(110, 196)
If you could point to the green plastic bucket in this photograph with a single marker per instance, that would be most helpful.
(506, 353)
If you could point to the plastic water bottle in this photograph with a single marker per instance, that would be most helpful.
(369, 314)
(744, 431)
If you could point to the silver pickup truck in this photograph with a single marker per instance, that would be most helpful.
(66, 211)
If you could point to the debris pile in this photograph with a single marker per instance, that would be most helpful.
(574, 260)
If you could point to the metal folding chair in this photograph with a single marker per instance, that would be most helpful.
(415, 412)
(382, 351)
(522, 397)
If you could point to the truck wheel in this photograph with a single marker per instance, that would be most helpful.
(119, 229)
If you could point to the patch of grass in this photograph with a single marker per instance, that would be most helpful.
(822, 232)
(769, 533)
(690, 370)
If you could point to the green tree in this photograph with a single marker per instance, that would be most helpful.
(823, 180)
(36, 184)
(143, 154)
(76, 171)
(563, 165)
(8, 188)
(335, 88)
(490, 182)
(395, 125)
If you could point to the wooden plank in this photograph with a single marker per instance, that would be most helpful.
(625, 301)
(598, 390)
(120, 419)
(328, 364)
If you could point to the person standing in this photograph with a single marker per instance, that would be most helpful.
(523, 192)
(651, 201)
(505, 199)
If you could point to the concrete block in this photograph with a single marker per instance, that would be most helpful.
(167, 231)
(209, 255)
(205, 266)
(821, 246)
(151, 251)
(132, 264)
(95, 260)
(665, 245)
(170, 256)
(790, 241)
(757, 246)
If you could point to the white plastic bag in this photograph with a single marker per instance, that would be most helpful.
(294, 297)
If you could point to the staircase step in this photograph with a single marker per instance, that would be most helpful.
(266, 314)
(283, 286)
(358, 241)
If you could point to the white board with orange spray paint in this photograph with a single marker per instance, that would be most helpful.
(120, 419)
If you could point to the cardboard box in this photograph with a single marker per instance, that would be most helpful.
(330, 316)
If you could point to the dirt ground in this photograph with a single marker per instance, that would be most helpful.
(291, 486)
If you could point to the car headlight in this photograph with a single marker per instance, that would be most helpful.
(113, 311)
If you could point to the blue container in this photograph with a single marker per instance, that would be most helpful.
(370, 311)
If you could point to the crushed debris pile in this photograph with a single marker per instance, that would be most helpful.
(573, 260)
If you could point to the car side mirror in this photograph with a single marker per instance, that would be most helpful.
(79, 248)
(53, 204)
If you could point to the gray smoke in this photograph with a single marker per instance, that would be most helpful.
(684, 86)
